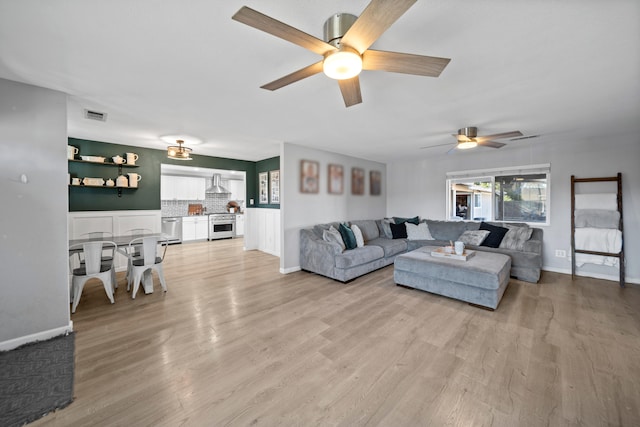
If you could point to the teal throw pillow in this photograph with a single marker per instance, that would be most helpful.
(415, 220)
(348, 237)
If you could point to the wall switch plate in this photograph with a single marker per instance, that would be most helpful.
(561, 253)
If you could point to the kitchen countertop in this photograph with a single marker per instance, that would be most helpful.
(204, 214)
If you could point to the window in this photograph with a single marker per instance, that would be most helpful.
(518, 194)
(477, 201)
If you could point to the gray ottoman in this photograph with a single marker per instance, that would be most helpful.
(481, 280)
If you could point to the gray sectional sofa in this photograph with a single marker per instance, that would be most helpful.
(328, 258)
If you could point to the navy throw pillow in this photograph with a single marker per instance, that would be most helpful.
(348, 237)
(415, 220)
(496, 234)
(398, 231)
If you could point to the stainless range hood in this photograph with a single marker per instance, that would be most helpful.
(216, 187)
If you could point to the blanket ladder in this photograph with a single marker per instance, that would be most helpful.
(574, 251)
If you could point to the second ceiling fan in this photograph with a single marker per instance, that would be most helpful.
(345, 50)
(468, 138)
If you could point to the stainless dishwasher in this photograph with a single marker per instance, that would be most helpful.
(172, 228)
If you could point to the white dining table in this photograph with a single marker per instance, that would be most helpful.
(122, 241)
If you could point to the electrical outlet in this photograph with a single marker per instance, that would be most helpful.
(560, 253)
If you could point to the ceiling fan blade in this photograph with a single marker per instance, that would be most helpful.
(294, 77)
(511, 134)
(374, 20)
(492, 144)
(350, 89)
(434, 146)
(453, 150)
(406, 63)
(265, 23)
(526, 137)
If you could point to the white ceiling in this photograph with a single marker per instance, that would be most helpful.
(563, 69)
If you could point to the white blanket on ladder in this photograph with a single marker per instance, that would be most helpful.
(599, 240)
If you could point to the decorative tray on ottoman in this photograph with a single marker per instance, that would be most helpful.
(443, 253)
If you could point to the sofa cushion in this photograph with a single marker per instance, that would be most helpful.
(369, 229)
(418, 232)
(473, 237)
(348, 237)
(446, 230)
(358, 234)
(319, 228)
(398, 231)
(358, 256)
(495, 236)
(333, 235)
(398, 220)
(389, 246)
(516, 237)
(384, 228)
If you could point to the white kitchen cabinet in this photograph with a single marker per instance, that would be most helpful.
(237, 189)
(167, 187)
(240, 225)
(197, 188)
(182, 187)
(202, 228)
(195, 228)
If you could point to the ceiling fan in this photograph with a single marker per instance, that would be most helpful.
(345, 50)
(468, 138)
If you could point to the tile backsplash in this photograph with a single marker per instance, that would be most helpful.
(213, 203)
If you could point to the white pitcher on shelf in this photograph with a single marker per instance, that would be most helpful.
(131, 158)
(71, 152)
(134, 178)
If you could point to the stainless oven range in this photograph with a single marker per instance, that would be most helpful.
(222, 226)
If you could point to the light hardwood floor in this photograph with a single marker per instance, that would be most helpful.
(234, 342)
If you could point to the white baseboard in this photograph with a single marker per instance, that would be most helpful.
(290, 270)
(612, 277)
(39, 336)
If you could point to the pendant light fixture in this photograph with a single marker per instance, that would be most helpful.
(178, 152)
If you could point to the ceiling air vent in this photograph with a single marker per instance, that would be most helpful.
(95, 115)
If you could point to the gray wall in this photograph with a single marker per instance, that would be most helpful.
(417, 187)
(299, 210)
(34, 295)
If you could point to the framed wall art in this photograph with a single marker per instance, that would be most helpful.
(357, 181)
(336, 179)
(375, 182)
(264, 188)
(274, 184)
(309, 176)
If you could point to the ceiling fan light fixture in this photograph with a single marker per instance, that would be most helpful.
(342, 64)
(467, 144)
(178, 152)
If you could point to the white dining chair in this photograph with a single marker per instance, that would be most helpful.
(148, 261)
(135, 253)
(107, 255)
(93, 267)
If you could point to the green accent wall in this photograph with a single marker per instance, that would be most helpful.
(266, 165)
(147, 196)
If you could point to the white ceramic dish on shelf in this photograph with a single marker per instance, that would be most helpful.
(95, 159)
(93, 181)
